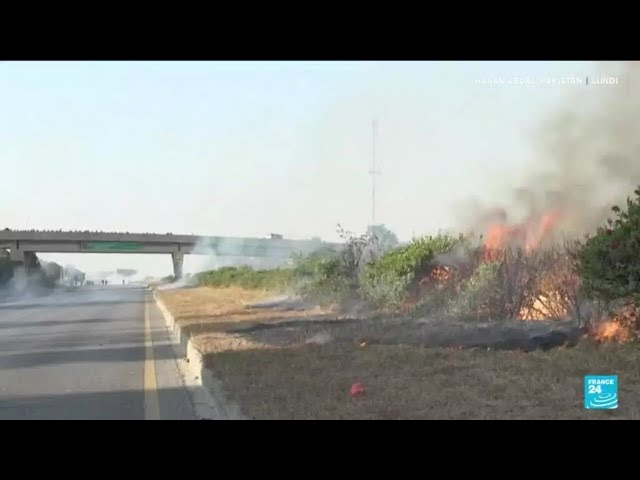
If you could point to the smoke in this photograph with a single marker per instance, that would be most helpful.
(233, 252)
(459, 255)
(39, 279)
(587, 159)
(212, 254)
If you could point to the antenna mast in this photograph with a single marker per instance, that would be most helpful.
(373, 172)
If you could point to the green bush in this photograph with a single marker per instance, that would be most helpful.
(323, 277)
(609, 261)
(387, 280)
(330, 276)
(317, 264)
(385, 288)
(246, 277)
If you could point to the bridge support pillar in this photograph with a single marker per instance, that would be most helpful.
(22, 263)
(19, 275)
(178, 261)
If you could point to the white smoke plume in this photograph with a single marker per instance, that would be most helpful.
(588, 159)
(229, 252)
(232, 252)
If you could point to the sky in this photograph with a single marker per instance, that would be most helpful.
(253, 148)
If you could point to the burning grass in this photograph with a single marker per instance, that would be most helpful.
(611, 331)
(504, 283)
(621, 326)
(403, 374)
(444, 367)
(514, 273)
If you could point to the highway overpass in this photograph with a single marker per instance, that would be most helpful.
(23, 245)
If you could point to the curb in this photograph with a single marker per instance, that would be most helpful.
(220, 409)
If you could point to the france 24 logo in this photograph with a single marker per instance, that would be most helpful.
(601, 392)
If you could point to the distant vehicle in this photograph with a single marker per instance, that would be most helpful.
(89, 283)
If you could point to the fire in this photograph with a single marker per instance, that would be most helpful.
(529, 234)
(441, 274)
(622, 327)
(499, 236)
(437, 276)
(548, 305)
(541, 231)
(611, 331)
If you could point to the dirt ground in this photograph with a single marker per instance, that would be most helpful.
(290, 361)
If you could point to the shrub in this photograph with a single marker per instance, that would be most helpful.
(609, 261)
(385, 288)
(388, 279)
(333, 276)
(518, 284)
(318, 275)
(246, 277)
(558, 293)
(478, 294)
(353, 255)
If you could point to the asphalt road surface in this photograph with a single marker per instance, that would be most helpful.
(94, 353)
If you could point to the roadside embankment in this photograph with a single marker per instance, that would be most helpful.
(280, 359)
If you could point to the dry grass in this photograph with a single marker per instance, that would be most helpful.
(205, 301)
(272, 374)
(204, 310)
(402, 382)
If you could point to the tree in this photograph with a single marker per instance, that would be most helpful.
(126, 272)
(52, 271)
(386, 239)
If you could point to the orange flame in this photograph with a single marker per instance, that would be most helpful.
(441, 274)
(542, 229)
(611, 331)
(529, 234)
(546, 306)
(437, 276)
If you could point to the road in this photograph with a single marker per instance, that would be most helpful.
(94, 353)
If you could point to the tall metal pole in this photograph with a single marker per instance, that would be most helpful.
(373, 172)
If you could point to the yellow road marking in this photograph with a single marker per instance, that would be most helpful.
(151, 403)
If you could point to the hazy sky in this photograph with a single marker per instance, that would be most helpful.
(250, 148)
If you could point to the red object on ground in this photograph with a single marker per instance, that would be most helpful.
(357, 389)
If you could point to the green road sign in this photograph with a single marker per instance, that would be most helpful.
(111, 246)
